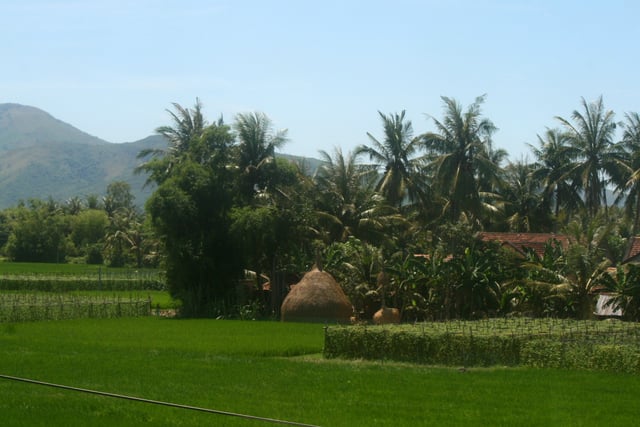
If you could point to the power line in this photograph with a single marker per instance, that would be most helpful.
(156, 402)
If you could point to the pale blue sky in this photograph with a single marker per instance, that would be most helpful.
(321, 69)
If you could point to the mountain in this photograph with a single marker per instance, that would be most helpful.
(22, 127)
(41, 157)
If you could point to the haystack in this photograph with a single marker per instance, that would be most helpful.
(316, 298)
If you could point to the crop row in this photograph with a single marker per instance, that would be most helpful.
(22, 307)
(65, 283)
(541, 343)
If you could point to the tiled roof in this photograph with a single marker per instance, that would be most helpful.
(520, 241)
(633, 250)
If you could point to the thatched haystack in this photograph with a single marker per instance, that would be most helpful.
(316, 298)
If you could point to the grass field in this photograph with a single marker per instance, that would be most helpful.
(274, 370)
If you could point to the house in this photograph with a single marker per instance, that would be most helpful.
(519, 242)
(633, 251)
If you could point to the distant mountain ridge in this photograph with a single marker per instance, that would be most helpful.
(22, 126)
(42, 157)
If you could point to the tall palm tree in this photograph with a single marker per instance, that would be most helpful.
(257, 144)
(188, 123)
(397, 153)
(345, 189)
(596, 157)
(525, 205)
(629, 182)
(553, 159)
(459, 153)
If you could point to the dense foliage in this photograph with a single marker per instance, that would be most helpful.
(226, 212)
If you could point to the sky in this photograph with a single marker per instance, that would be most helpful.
(322, 69)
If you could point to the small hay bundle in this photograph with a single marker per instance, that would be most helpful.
(316, 298)
(386, 315)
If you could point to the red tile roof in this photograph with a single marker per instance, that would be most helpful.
(633, 250)
(520, 241)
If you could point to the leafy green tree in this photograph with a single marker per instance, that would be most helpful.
(38, 234)
(475, 279)
(190, 213)
(397, 154)
(534, 293)
(255, 229)
(119, 197)
(88, 229)
(93, 201)
(459, 153)
(355, 265)
(594, 155)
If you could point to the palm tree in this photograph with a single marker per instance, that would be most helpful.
(591, 137)
(257, 144)
(460, 152)
(188, 124)
(587, 263)
(401, 180)
(553, 159)
(629, 183)
(526, 207)
(126, 232)
(345, 190)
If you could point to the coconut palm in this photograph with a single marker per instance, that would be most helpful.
(257, 144)
(587, 263)
(460, 152)
(553, 159)
(526, 207)
(187, 125)
(596, 157)
(629, 184)
(397, 154)
(125, 233)
(345, 190)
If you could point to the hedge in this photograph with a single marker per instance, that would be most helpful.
(550, 344)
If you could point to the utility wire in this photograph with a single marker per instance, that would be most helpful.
(156, 402)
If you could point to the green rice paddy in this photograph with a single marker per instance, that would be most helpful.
(275, 370)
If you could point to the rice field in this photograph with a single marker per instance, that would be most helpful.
(275, 370)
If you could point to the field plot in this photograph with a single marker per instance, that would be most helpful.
(27, 307)
(68, 277)
(275, 370)
(33, 291)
